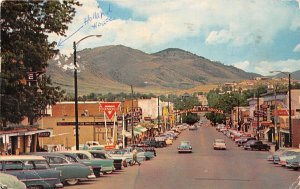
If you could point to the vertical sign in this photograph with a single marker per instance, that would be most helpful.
(109, 109)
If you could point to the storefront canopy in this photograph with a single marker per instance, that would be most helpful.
(140, 129)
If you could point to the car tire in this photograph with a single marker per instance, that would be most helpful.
(97, 173)
(296, 168)
(72, 181)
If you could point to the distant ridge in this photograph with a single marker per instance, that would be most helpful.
(113, 68)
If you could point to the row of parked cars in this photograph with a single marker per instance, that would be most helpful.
(286, 157)
(47, 170)
(244, 140)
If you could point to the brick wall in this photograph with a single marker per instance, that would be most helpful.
(296, 132)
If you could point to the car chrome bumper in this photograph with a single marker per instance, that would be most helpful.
(92, 176)
(59, 185)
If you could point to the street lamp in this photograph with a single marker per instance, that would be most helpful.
(290, 104)
(75, 44)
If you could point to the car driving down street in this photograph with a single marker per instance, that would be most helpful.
(185, 146)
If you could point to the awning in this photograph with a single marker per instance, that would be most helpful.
(137, 131)
(42, 132)
(284, 131)
(27, 132)
(126, 134)
(141, 129)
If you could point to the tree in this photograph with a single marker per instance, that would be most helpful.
(25, 26)
(190, 118)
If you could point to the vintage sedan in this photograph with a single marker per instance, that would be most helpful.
(125, 153)
(85, 157)
(10, 181)
(102, 154)
(72, 172)
(293, 163)
(289, 155)
(219, 144)
(34, 171)
(185, 146)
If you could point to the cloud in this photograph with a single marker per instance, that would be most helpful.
(297, 48)
(264, 67)
(234, 22)
(230, 22)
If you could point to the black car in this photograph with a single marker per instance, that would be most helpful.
(256, 145)
(154, 143)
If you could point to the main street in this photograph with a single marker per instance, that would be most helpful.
(234, 168)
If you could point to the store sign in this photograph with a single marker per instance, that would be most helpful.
(109, 108)
(45, 134)
(284, 112)
(101, 123)
(31, 76)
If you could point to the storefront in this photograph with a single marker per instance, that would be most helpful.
(18, 141)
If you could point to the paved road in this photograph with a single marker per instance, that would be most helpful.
(234, 168)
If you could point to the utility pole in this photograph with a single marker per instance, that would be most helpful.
(290, 112)
(76, 98)
(132, 132)
(257, 114)
(158, 118)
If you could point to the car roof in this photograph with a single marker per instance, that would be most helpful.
(75, 151)
(21, 158)
(219, 140)
(47, 154)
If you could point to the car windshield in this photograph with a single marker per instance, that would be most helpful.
(185, 143)
(219, 141)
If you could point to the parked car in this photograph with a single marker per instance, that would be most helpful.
(10, 182)
(220, 126)
(274, 157)
(34, 171)
(119, 163)
(244, 140)
(71, 172)
(219, 144)
(126, 153)
(293, 163)
(185, 146)
(256, 145)
(79, 157)
(290, 154)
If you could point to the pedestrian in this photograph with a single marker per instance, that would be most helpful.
(134, 156)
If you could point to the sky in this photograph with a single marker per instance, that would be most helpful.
(257, 36)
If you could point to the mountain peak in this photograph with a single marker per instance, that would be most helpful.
(177, 53)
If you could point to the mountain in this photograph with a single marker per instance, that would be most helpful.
(294, 75)
(114, 68)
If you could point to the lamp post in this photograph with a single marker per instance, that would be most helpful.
(75, 44)
(290, 104)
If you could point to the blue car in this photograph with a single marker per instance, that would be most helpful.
(34, 171)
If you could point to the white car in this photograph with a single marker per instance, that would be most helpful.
(219, 144)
